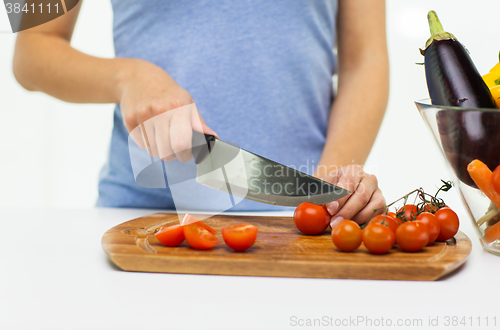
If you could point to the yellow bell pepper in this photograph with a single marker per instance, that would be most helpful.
(491, 79)
(496, 70)
(495, 92)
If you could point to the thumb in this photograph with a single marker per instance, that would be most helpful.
(208, 130)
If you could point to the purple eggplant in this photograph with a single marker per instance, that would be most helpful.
(453, 81)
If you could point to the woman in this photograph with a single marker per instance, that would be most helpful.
(257, 72)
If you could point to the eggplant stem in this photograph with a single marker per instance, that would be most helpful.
(434, 23)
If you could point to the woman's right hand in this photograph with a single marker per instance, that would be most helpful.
(159, 114)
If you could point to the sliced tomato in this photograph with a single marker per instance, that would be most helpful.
(240, 237)
(189, 219)
(207, 227)
(171, 235)
(199, 237)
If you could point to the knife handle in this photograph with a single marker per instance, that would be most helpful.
(201, 150)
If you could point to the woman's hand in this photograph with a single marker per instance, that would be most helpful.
(365, 195)
(159, 114)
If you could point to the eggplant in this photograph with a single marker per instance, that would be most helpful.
(452, 77)
(454, 81)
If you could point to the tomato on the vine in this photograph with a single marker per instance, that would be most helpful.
(412, 236)
(377, 238)
(431, 208)
(409, 212)
(311, 219)
(170, 235)
(448, 223)
(394, 216)
(240, 237)
(432, 225)
(347, 235)
(385, 220)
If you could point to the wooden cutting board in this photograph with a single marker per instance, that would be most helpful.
(280, 250)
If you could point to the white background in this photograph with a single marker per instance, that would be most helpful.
(51, 152)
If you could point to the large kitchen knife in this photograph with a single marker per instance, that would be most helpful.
(227, 167)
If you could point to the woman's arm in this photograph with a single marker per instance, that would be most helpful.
(45, 61)
(359, 107)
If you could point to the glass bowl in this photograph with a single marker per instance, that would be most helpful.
(465, 134)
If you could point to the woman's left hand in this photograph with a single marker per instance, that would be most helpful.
(364, 198)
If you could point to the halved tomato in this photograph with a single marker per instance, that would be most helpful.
(189, 219)
(199, 237)
(240, 237)
(171, 235)
(207, 227)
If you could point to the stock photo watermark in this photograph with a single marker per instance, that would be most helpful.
(21, 15)
(363, 321)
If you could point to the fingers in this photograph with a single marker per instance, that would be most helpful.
(199, 124)
(377, 201)
(148, 133)
(365, 196)
(162, 136)
(181, 134)
(138, 137)
(166, 133)
(347, 177)
(359, 199)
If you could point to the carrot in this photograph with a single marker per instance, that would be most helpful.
(492, 233)
(481, 175)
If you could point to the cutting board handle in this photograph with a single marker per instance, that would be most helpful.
(201, 150)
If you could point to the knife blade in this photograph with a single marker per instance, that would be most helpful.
(227, 167)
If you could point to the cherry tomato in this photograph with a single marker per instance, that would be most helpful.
(448, 223)
(409, 211)
(198, 237)
(188, 219)
(170, 235)
(432, 208)
(432, 225)
(492, 233)
(387, 221)
(377, 238)
(346, 235)
(240, 237)
(495, 179)
(412, 236)
(398, 220)
(311, 219)
(207, 227)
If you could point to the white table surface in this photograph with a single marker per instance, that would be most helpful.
(55, 275)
